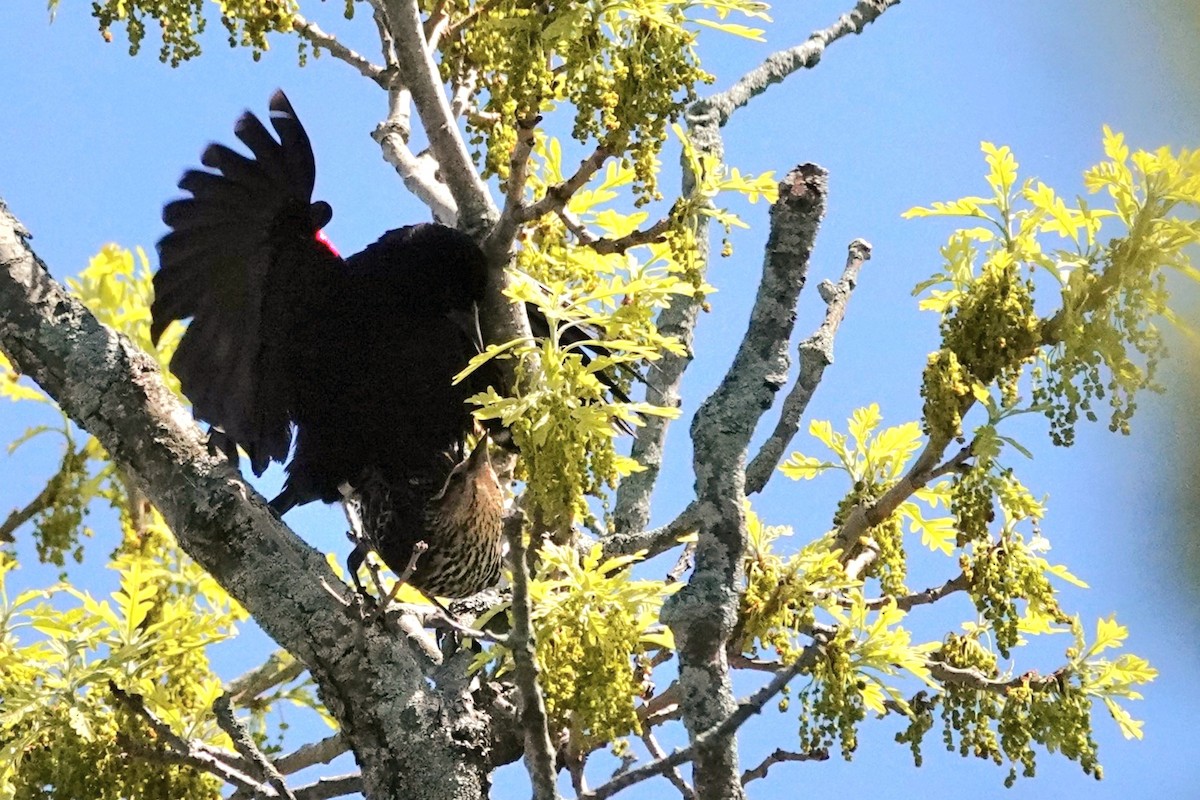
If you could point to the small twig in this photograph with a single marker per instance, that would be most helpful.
(279, 668)
(387, 44)
(447, 617)
(816, 353)
(778, 757)
(328, 42)
(307, 755)
(660, 708)
(418, 550)
(651, 235)
(931, 595)
(244, 744)
(559, 194)
(683, 563)
(672, 774)
(539, 752)
(179, 750)
(656, 540)
(20, 516)
(576, 227)
(974, 679)
(324, 788)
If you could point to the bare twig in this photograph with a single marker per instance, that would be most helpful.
(307, 755)
(539, 752)
(177, 749)
(279, 668)
(657, 540)
(559, 194)
(778, 757)
(651, 235)
(779, 65)
(328, 42)
(931, 595)
(19, 516)
(325, 788)
(816, 353)
(244, 744)
(672, 774)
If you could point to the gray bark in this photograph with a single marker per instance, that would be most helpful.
(412, 737)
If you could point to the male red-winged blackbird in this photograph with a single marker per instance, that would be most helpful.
(357, 355)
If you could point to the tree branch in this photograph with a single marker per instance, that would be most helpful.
(931, 595)
(247, 749)
(476, 211)
(778, 757)
(181, 750)
(279, 668)
(705, 118)
(816, 353)
(419, 173)
(702, 615)
(115, 392)
(19, 516)
(657, 540)
(313, 753)
(311, 32)
(539, 752)
(781, 64)
(325, 788)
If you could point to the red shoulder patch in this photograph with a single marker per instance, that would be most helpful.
(323, 239)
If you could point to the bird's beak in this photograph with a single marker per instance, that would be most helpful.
(479, 455)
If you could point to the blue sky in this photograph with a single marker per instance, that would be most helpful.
(94, 141)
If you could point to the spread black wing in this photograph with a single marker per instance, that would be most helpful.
(243, 261)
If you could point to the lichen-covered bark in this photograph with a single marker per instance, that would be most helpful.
(703, 614)
(413, 738)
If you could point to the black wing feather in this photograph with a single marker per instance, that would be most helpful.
(242, 261)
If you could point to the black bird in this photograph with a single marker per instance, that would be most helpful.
(354, 355)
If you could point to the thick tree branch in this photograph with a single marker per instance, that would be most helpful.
(419, 73)
(419, 173)
(403, 734)
(816, 353)
(311, 32)
(705, 118)
(702, 615)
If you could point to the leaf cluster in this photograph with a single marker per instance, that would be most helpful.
(594, 628)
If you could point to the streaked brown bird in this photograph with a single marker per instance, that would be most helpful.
(459, 519)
